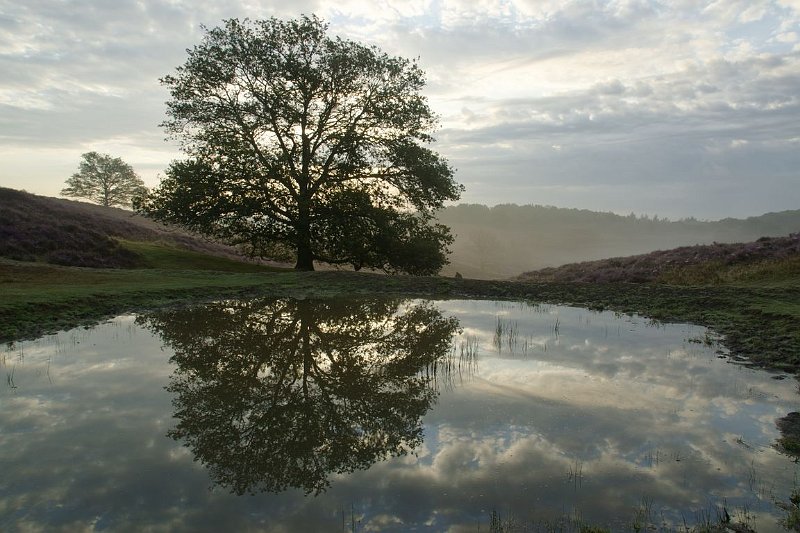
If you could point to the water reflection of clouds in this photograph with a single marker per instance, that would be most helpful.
(655, 388)
(529, 472)
(590, 426)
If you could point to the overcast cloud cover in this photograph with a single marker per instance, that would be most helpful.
(676, 108)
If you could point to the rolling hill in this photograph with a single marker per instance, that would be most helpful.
(69, 233)
(774, 259)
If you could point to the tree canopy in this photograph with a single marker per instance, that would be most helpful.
(105, 180)
(305, 146)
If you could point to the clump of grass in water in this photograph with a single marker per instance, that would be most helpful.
(643, 515)
(511, 337)
(792, 520)
(757, 484)
(575, 474)
(10, 378)
(706, 340)
(354, 521)
(527, 346)
(439, 373)
(499, 330)
(505, 333)
(468, 357)
(714, 518)
(469, 348)
(499, 525)
(460, 362)
(568, 523)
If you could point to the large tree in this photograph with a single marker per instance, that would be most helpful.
(105, 180)
(305, 146)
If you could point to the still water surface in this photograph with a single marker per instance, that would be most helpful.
(385, 415)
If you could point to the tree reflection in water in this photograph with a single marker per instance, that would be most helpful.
(275, 394)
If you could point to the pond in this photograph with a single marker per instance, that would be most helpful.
(387, 415)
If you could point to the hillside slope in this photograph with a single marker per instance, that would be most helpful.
(502, 241)
(70, 233)
(773, 258)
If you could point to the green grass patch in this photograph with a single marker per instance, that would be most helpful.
(779, 307)
(39, 298)
(165, 256)
(773, 273)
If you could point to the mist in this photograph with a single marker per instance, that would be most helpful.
(506, 240)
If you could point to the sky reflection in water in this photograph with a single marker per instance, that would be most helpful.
(570, 412)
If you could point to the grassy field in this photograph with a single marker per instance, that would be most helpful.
(165, 256)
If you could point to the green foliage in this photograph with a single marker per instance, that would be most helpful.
(105, 180)
(305, 146)
(370, 235)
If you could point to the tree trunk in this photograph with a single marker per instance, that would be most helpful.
(305, 258)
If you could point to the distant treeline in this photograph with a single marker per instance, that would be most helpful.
(506, 240)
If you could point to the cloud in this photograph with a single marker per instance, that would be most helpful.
(687, 127)
(634, 93)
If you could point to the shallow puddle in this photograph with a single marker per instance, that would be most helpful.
(386, 415)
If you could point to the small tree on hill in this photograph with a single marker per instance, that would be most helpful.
(105, 180)
(305, 146)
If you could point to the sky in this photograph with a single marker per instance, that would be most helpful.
(671, 108)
